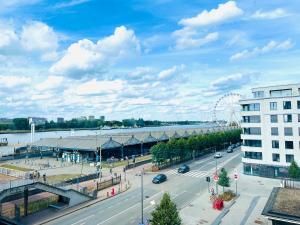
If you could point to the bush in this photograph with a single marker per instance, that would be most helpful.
(227, 195)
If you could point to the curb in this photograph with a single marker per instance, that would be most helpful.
(80, 208)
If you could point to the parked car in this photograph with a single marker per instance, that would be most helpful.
(183, 169)
(218, 155)
(229, 149)
(159, 179)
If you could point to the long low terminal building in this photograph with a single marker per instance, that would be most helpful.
(117, 145)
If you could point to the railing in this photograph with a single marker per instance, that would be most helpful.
(14, 173)
(108, 183)
(290, 183)
(15, 183)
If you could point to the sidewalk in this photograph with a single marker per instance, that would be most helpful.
(245, 210)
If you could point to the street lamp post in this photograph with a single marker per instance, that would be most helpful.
(142, 196)
(216, 171)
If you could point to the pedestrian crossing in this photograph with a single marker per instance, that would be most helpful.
(191, 173)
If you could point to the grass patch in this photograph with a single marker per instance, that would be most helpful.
(227, 195)
(13, 167)
(60, 177)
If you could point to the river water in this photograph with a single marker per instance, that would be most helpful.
(21, 139)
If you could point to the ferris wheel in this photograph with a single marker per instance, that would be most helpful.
(226, 111)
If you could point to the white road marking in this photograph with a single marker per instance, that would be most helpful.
(138, 204)
(80, 221)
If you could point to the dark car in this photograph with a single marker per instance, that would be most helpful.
(184, 169)
(229, 149)
(159, 179)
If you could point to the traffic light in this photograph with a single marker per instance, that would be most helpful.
(207, 179)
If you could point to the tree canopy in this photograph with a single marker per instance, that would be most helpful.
(166, 213)
(294, 171)
(223, 179)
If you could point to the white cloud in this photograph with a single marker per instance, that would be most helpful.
(169, 73)
(85, 57)
(35, 39)
(186, 39)
(224, 12)
(10, 4)
(52, 82)
(95, 87)
(14, 81)
(38, 36)
(271, 46)
(189, 36)
(274, 14)
(70, 3)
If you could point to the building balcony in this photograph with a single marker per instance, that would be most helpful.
(251, 136)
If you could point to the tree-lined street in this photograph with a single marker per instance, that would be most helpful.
(125, 208)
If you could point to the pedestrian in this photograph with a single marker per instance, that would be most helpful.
(44, 177)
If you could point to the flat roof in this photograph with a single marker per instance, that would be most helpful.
(275, 86)
(283, 205)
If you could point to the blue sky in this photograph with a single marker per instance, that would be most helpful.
(157, 59)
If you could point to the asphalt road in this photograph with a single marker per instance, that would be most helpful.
(125, 209)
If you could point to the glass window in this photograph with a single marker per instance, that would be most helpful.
(258, 94)
(253, 155)
(287, 105)
(288, 131)
(251, 107)
(289, 158)
(276, 157)
(298, 104)
(274, 131)
(251, 119)
(298, 117)
(281, 93)
(275, 144)
(252, 143)
(287, 118)
(252, 130)
(273, 105)
(289, 145)
(274, 118)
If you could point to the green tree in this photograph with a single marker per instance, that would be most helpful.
(166, 213)
(223, 179)
(294, 171)
(21, 123)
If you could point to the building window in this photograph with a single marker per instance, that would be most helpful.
(287, 105)
(251, 107)
(287, 118)
(289, 158)
(298, 117)
(253, 155)
(289, 145)
(298, 104)
(288, 131)
(275, 144)
(299, 131)
(251, 119)
(276, 157)
(274, 131)
(281, 93)
(252, 143)
(273, 105)
(252, 131)
(274, 118)
(258, 94)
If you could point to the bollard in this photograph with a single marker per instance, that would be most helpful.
(107, 194)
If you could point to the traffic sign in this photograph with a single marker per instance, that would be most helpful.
(235, 176)
(216, 177)
(207, 179)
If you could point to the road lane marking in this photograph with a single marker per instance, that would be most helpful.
(126, 209)
(79, 221)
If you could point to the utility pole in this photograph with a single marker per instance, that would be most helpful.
(142, 196)
(217, 191)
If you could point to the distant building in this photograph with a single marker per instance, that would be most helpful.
(82, 118)
(60, 120)
(102, 118)
(37, 120)
(270, 124)
(91, 117)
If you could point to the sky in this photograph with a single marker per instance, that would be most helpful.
(155, 59)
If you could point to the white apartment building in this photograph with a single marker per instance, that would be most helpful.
(271, 130)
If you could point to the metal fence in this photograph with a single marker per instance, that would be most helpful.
(15, 183)
(14, 173)
(290, 183)
(108, 183)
